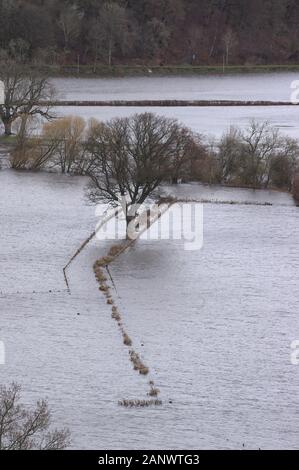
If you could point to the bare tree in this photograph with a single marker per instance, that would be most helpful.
(204, 165)
(260, 142)
(63, 139)
(23, 429)
(257, 157)
(131, 157)
(26, 94)
(283, 164)
(229, 154)
(187, 148)
(32, 151)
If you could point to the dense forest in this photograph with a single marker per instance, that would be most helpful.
(157, 32)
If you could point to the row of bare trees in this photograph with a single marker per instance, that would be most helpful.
(160, 146)
(161, 150)
(258, 157)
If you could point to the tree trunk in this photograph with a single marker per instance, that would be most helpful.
(129, 219)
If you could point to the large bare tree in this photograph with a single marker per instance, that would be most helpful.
(131, 157)
(26, 93)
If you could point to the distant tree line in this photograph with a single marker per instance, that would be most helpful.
(157, 32)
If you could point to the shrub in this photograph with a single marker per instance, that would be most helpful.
(24, 429)
(154, 392)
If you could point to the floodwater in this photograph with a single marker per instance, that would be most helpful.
(270, 87)
(215, 326)
(209, 121)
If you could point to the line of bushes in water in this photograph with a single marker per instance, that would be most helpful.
(134, 357)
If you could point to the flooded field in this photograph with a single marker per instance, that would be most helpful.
(214, 326)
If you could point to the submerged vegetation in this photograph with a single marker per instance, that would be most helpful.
(135, 358)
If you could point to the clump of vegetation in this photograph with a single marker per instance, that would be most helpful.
(138, 364)
(133, 180)
(127, 340)
(115, 250)
(139, 403)
(25, 429)
(115, 315)
(104, 261)
(100, 276)
(257, 157)
(25, 90)
(103, 288)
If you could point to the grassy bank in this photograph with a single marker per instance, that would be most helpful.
(188, 70)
